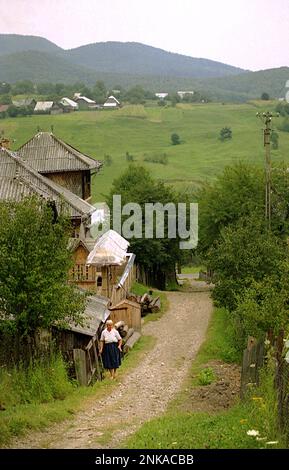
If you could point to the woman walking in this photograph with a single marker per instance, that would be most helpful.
(110, 348)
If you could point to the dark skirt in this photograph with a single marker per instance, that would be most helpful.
(111, 356)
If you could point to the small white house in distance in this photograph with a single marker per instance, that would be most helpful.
(183, 93)
(47, 107)
(161, 96)
(84, 102)
(69, 104)
(111, 103)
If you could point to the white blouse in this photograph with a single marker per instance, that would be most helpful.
(111, 336)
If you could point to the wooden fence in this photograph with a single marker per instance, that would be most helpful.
(254, 357)
(87, 363)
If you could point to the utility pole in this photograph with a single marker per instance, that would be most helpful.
(267, 120)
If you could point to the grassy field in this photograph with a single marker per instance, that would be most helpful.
(145, 131)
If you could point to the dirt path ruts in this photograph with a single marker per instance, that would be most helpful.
(146, 390)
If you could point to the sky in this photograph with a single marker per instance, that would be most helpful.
(252, 34)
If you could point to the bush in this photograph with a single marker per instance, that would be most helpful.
(162, 159)
(107, 160)
(175, 139)
(225, 134)
(206, 376)
(129, 157)
(265, 96)
(284, 125)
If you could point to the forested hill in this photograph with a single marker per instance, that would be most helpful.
(113, 58)
(139, 59)
(11, 43)
(128, 64)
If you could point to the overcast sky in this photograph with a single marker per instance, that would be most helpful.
(252, 34)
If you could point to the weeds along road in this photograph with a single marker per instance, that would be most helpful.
(145, 391)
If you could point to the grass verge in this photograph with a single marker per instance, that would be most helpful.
(178, 429)
(21, 417)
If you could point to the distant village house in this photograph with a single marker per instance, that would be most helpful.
(182, 94)
(111, 103)
(68, 104)
(84, 102)
(161, 96)
(47, 107)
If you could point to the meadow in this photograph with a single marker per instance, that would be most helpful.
(145, 131)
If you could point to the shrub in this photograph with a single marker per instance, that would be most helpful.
(107, 160)
(225, 134)
(206, 376)
(162, 159)
(175, 138)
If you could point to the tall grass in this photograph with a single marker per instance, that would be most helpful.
(42, 381)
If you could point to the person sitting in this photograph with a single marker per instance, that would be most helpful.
(110, 348)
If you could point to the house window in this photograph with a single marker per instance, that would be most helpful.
(99, 281)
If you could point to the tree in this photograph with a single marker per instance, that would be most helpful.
(225, 134)
(129, 157)
(157, 256)
(5, 99)
(23, 86)
(237, 192)
(13, 111)
(175, 139)
(275, 140)
(107, 160)
(34, 265)
(4, 88)
(99, 92)
(263, 307)
(265, 96)
(246, 252)
(135, 95)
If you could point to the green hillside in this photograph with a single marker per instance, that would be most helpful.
(146, 132)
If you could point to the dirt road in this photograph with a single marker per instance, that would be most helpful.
(146, 390)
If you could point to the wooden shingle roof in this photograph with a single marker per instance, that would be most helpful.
(48, 154)
(18, 179)
(96, 312)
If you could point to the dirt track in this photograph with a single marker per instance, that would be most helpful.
(146, 390)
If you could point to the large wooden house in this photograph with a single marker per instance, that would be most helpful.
(60, 162)
(19, 180)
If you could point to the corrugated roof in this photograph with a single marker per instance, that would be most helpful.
(109, 249)
(68, 102)
(43, 105)
(96, 312)
(18, 179)
(48, 154)
(23, 102)
(84, 98)
(111, 100)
